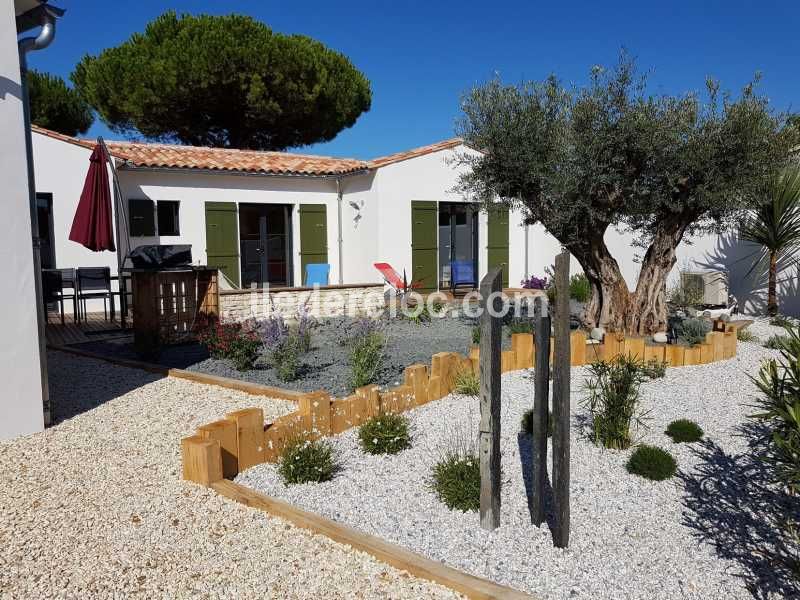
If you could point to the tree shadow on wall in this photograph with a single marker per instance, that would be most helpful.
(732, 504)
(748, 284)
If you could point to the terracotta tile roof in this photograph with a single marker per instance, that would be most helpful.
(400, 156)
(169, 156)
(224, 159)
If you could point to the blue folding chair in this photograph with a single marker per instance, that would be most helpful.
(462, 273)
(317, 274)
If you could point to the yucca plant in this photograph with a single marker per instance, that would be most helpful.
(779, 404)
(775, 227)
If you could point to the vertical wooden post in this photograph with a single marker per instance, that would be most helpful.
(201, 460)
(249, 436)
(225, 433)
(490, 399)
(561, 405)
(541, 405)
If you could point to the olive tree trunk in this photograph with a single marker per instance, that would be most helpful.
(613, 306)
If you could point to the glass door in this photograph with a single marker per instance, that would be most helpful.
(265, 244)
(458, 244)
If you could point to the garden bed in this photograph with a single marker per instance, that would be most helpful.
(325, 365)
(702, 534)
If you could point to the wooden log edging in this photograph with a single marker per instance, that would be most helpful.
(391, 554)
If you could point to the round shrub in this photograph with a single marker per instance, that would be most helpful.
(457, 481)
(684, 430)
(304, 461)
(527, 423)
(652, 463)
(385, 434)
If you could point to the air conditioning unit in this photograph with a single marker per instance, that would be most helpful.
(712, 286)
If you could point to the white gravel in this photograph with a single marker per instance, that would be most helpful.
(95, 508)
(631, 538)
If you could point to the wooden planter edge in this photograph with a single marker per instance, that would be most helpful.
(391, 554)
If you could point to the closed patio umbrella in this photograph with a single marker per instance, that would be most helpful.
(92, 225)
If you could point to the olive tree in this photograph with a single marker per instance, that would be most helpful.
(612, 155)
(223, 81)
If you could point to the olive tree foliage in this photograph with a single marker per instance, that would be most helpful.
(611, 155)
(223, 81)
(56, 106)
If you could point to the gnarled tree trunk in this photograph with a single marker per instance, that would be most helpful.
(613, 306)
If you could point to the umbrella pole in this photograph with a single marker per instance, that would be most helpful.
(123, 288)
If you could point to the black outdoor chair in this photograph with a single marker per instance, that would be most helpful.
(94, 283)
(53, 290)
(68, 282)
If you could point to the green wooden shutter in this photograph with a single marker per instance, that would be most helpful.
(498, 241)
(222, 238)
(424, 245)
(313, 236)
(142, 217)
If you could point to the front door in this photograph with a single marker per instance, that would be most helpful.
(265, 244)
(458, 242)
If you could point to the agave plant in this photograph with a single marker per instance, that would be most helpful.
(775, 227)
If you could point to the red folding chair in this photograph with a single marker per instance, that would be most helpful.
(393, 278)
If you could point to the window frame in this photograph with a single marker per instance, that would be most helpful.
(176, 212)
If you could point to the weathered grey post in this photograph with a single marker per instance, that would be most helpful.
(541, 403)
(490, 326)
(561, 407)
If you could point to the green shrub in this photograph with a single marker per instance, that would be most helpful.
(466, 382)
(244, 352)
(456, 480)
(285, 357)
(476, 335)
(693, 331)
(776, 342)
(745, 335)
(579, 288)
(526, 425)
(684, 430)
(519, 325)
(779, 384)
(366, 358)
(613, 400)
(652, 463)
(385, 434)
(304, 461)
(654, 368)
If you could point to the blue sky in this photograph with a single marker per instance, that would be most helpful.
(420, 56)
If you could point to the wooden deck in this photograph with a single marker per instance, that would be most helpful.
(94, 328)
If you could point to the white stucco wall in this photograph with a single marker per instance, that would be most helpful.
(21, 401)
(428, 177)
(193, 190)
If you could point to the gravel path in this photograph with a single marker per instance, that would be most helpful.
(94, 507)
(325, 366)
(700, 535)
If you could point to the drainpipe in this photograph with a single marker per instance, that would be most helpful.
(25, 45)
(339, 225)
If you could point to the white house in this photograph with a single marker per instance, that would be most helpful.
(23, 404)
(262, 216)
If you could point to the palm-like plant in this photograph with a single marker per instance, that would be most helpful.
(775, 226)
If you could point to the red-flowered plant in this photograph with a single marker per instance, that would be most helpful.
(230, 340)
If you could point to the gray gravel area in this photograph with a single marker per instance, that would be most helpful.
(326, 365)
(707, 533)
(94, 507)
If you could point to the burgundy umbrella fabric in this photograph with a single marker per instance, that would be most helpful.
(93, 223)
